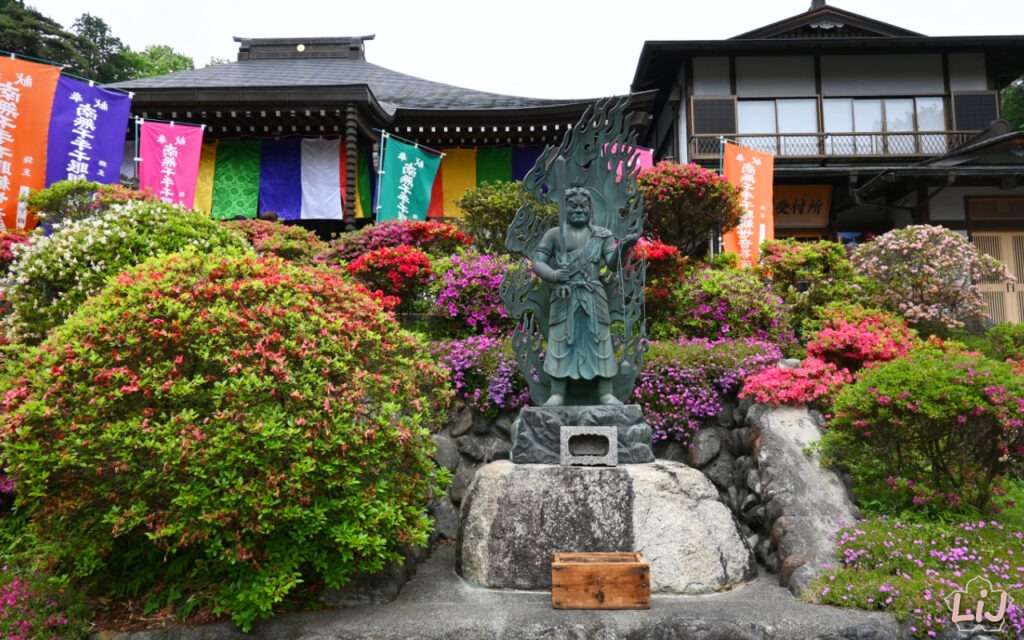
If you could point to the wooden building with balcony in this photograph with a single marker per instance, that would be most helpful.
(872, 126)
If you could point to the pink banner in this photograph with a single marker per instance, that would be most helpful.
(642, 157)
(170, 160)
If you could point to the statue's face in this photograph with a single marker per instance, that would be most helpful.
(578, 208)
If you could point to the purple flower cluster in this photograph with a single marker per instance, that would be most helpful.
(684, 381)
(483, 372)
(467, 291)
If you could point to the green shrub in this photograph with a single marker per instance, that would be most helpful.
(1007, 341)
(70, 200)
(935, 429)
(221, 430)
(489, 210)
(912, 570)
(56, 273)
(725, 304)
(809, 276)
(270, 238)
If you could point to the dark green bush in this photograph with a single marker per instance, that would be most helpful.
(725, 304)
(221, 430)
(938, 429)
(489, 210)
(1007, 340)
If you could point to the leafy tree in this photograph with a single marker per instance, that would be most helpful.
(489, 210)
(156, 60)
(104, 54)
(686, 202)
(1013, 104)
(216, 61)
(25, 31)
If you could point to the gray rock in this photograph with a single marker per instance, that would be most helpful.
(462, 422)
(536, 433)
(674, 451)
(706, 445)
(446, 518)
(461, 481)
(503, 424)
(516, 516)
(804, 502)
(688, 629)
(447, 454)
(753, 480)
(720, 471)
(484, 448)
(481, 424)
(726, 417)
(378, 588)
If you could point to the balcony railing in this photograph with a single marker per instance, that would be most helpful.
(833, 145)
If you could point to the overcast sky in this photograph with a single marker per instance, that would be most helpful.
(533, 48)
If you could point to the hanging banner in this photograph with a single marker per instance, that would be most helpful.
(87, 132)
(642, 157)
(406, 180)
(321, 179)
(26, 99)
(752, 172)
(169, 156)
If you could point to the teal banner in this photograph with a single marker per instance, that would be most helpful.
(406, 180)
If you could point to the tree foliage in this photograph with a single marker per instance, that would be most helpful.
(686, 203)
(25, 31)
(489, 210)
(1013, 104)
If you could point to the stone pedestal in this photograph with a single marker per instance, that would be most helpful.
(536, 433)
(514, 517)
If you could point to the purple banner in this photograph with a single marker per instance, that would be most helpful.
(87, 133)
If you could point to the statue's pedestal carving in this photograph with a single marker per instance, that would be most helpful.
(536, 433)
(514, 517)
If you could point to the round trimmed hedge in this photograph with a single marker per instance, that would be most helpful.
(220, 430)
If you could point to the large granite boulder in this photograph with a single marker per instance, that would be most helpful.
(514, 517)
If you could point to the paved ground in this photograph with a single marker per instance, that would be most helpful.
(437, 604)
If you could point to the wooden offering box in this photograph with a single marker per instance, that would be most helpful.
(615, 580)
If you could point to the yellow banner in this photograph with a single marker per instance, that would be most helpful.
(752, 172)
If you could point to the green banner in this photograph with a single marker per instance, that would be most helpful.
(236, 180)
(406, 180)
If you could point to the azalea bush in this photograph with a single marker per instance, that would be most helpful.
(54, 274)
(434, 238)
(911, 571)
(813, 382)
(70, 200)
(852, 337)
(726, 303)
(666, 267)
(221, 432)
(930, 276)
(810, 276)
(686, 203)
(938, 428)
(401, 271)
(483, 373)
(464, 291)
(32, 606)
(1007, 339)
(8, 240)
(489, 209)
(290, 242)
(684, 382)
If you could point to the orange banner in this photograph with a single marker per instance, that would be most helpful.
(753, 173)
(26, 98)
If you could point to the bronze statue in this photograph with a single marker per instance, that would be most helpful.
(578, 294)
(571, 257)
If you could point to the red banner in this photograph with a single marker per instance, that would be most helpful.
(169, 155)
(752, 172)
(26, 98)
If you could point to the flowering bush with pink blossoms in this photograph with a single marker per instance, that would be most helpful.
(939, 428)
(853, 337)
(815, 382)
(434, 238)
(484, 373)
(929, 275)
(686, 202)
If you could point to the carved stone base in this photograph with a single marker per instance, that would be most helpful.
(536, 433)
